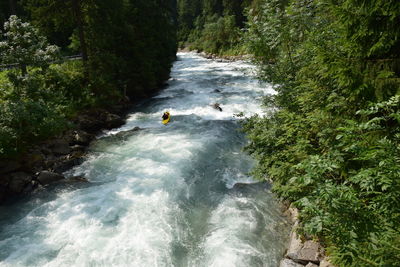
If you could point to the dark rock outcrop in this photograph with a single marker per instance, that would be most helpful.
(95, 120)
(113, 121)
(46, 177)
(53, 157)
(81, 138)
(60, 147)
(18, 180)
(8, 166)
(77, 179)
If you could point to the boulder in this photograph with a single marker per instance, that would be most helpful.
(311, 265)
(78, 148)
(89, 124)
(113, 120)
(18, 181)
(295, 244)
(29, 187)
(289, 263)
(33, 160)
(60, 147)
(46, 177)
(77, 179)
(7, 166)
(82, 138)
(67, 164)
(118, 108)
(310, 251)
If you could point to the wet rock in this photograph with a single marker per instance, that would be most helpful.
(7, 166)
(67, 164)
(77, 179)
(49, 161)
(82, 138)
(30, 187)
(34, 160)
(18, 181)
(78, 148)
(46, 150)
(118, 108)
(124, 134)
(289, 263)
(46, 177)
(60, 147)
(113, 120)
(89, 124)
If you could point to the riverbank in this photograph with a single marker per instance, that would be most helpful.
(45, 162)
(218, 58)
(301, 251)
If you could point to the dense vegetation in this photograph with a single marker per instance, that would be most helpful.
(332, 145)
(127, 49)
(213, 26)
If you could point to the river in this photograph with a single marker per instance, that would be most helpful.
(162, 195)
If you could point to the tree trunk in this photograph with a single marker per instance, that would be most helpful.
(77, 9)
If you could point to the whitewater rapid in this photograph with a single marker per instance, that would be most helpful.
(161, 195)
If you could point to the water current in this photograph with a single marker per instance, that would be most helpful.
(162, 195)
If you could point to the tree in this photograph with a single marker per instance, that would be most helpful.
(23, 45)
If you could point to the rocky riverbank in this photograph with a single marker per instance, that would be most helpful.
(225, 58)
(218, 58)
(44, 163)
(302, 252)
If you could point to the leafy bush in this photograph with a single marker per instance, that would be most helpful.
(332, 145)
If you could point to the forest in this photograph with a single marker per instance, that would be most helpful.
(330, 144)
(127, 49)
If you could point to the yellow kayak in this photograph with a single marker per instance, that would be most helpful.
(167, 119)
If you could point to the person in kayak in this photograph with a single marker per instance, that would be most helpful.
(217, 106)
(165, 115)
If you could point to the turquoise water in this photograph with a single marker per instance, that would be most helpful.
(163, 195)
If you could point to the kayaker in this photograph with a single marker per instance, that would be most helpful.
(165, 115)
(217, 106)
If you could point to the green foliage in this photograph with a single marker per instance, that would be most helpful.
(213, 26)
(127, 46)
(26, 121)
(23, 45)
(34, 99)
(219, 35)
(332, 145)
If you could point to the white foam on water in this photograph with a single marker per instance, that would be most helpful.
(224, 245)
(130, 213)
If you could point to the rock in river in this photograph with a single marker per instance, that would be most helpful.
(46, 177)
